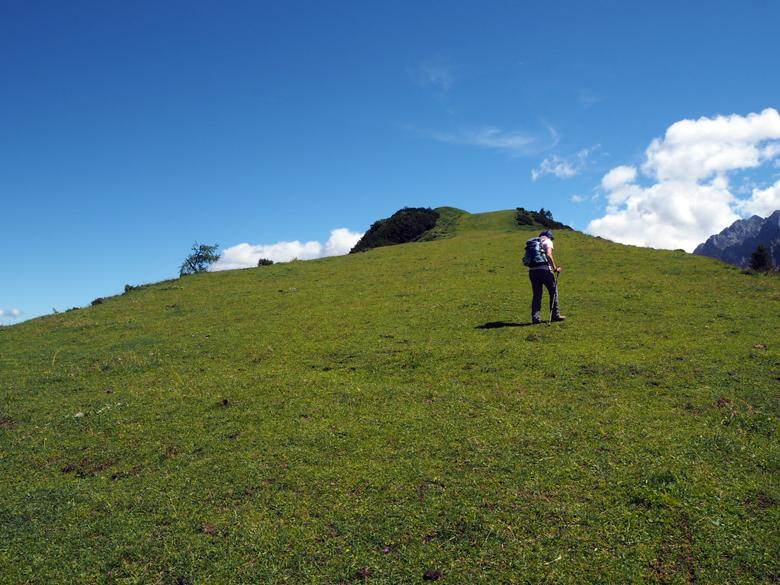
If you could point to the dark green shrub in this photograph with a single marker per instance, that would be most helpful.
(265, 262)
(543, 218)
(760, 260)
(405, 225)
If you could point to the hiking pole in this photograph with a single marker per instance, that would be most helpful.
(554, 301)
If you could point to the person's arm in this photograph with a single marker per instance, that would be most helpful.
(551, 260)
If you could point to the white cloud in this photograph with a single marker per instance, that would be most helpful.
(762, 202)
(619, 186)
(771, 151)
(696, 149)
(246, 255)
(341, 241)
(577, 198)
(563, 168)
(10, 313)
(514, 142)
(666, 215)
(618, 177)
(689, 197)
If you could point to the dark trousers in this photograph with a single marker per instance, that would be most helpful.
(538, 279)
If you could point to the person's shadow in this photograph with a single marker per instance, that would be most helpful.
(499, 324)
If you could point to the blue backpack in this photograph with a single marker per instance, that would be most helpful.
(534, 253)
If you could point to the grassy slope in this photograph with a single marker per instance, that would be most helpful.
(365, 409)
(446, 225)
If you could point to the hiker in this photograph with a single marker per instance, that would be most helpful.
(541, 269)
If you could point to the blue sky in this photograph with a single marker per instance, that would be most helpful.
(129, 130)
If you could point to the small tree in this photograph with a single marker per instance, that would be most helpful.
(760, 260)
(201, 258)
(264, 262)
(522, 217)
(543, 217)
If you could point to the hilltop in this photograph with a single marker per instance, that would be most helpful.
(410, 224)
(379, 416)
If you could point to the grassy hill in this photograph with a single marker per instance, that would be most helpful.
(375, 416)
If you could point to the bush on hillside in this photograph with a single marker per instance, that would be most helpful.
(760, 260)
(405, 225)
(265, 262)
(543, 217)
(200, 259)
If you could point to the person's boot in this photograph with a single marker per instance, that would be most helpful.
(558, 318)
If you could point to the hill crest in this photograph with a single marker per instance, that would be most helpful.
(393, 411)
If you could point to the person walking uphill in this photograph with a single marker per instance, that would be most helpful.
(541, 269)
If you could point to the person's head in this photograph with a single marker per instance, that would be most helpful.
(547, 234)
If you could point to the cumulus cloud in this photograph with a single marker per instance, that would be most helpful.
(563, 168)
(10, 313)
(514, 142)
(693, 150)
(618, 177)
(762, 202)
(686, 196)
(666, 215)
(340, 242)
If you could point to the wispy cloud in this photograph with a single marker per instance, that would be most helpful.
(577, 198)
(563, 167)
(10, 313)
(438, 73)
(587, 98)
(514, 142)
(246, 255)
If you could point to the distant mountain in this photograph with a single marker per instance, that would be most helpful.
(737, 242)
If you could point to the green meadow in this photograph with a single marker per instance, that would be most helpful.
(390, 417)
